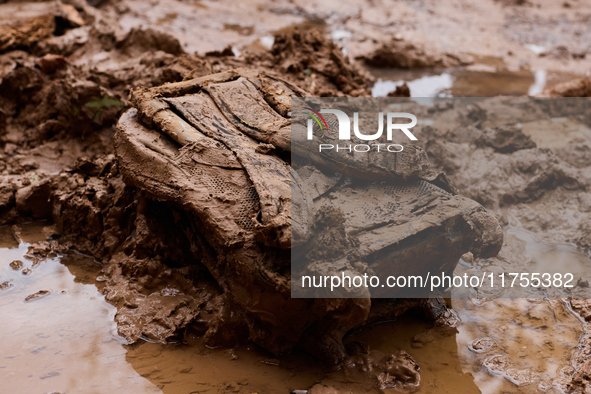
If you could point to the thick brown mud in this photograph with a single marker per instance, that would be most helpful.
(108, 295)
(67, 341)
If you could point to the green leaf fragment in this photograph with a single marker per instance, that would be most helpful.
(106, 101)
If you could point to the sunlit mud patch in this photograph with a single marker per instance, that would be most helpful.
(58, 333)
(517, 345)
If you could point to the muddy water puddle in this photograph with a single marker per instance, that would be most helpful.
(58, 333)
(59, 336)
(477, 81)
(517, 345)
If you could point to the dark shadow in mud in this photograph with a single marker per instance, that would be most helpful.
(84, 269)
(191, 367)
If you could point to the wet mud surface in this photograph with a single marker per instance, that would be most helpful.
(111, 278)
(496, 346)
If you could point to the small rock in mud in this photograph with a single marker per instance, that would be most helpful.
(505, 140)
(5, 285)
(403, 54)
(37, 295)
(50, 63)
(16, 265)
(400, 91)
(399, 368)
(482, 345)
(499, 364)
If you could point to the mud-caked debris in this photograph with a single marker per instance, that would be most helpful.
(576, 88)
(196, 144)
(398, 370)
(483, 345)
(40, 21)
(399, 53)
(6, 285)
(37, 295)
(505, 140)
(34, 200)
(306, 54)
(16, 265)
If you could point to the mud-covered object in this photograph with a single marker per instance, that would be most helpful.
(219, 147)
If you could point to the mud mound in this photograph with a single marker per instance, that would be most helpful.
(59, 101)
(149, 261)
(576, 88)
(36, 22)
(46, 97)
(317, 62)
(157, 266)
(398, 53)
(218, 147)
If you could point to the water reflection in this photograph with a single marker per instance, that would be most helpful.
(65, 340)
(459, 82)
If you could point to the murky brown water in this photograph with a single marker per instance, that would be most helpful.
(481, 80)
(59, 336)
(535, 337)
(63, 339)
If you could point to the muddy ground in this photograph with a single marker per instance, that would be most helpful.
(66, 70)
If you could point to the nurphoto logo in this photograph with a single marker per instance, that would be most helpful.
(344, 122)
